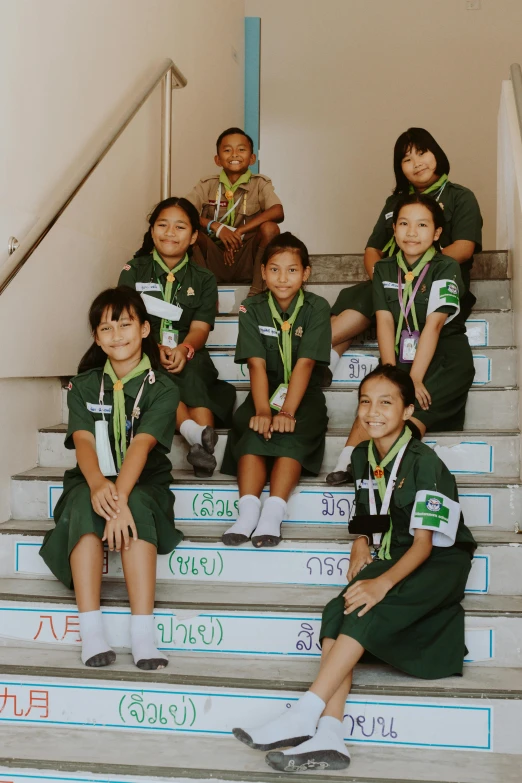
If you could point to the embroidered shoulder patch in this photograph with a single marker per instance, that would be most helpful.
(69, 386)
(242, 309)
(126, 268)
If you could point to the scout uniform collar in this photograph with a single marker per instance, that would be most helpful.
(439, 185)
(171, 279)
(407, 301)
(230, 217)
(394, 459)
(285, 345)
(118, 412)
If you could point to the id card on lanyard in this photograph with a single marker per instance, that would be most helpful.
(168, 335)
(409, 337)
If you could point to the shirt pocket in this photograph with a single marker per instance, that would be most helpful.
(404, 493)
(189, 297)
(272, 354)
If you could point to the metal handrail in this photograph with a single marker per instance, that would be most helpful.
(172, 79)
(516, 78)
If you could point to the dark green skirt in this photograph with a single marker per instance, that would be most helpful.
(152, 508)
(199, 387)
(357, 297)
(305, 444)
(418, 627)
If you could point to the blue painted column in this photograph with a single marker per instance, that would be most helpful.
(252, 80)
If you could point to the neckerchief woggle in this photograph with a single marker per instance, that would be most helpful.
(286, 331)
(229, 218)
(407, 293)
(439, 185)
(385, 490)
(171, 279)
(118, 410)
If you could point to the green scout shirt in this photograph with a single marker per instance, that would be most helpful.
(462, 221)
(158, 406)
(420, 469)
(197, 293)
(386, 292)
(258, 195)
(311, 335)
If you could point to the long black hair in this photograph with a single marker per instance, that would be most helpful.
(117, 300)
(283, 242)
(426, 201)
(174, 201)
(398, 377)
(423, 141)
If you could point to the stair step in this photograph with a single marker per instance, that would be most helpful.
(481, 710)
(349, 268)
(493, 625)
(496, 566)
(74, 755)
(484, 328)
(490, 294)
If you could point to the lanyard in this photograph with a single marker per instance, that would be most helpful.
(440, 184)
(385, 490)
(408, 293)
(171, 278)
(286, 332)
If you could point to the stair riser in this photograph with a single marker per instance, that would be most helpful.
(36, 775)
(483, 328)
(485, 506)
(490, 640)
(491, 294)
(495, 455)
(495, 569)
(421, 722)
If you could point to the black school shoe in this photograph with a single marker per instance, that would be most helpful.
(339, 477)
(246, 739)
(204, 464)
(301, 762)
(209, 438)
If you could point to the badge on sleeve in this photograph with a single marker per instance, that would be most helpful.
(242, 309)
(444, 293)
(126, 268)
(69, 386)
(437, 512)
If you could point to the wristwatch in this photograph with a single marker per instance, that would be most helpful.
(190, 351)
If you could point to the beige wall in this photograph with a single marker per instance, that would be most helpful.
(67, 69)
(342, 78)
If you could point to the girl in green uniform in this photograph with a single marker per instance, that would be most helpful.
(181, 299)
(420, 166)
(284, 337)
(122, 417)
(417, 298)
(403, 606)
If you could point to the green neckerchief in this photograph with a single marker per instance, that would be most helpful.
(390, 246)
(118, 410)
(407, 290)
(171, 278)
(405, 437)
(243, 179)
(286, 331)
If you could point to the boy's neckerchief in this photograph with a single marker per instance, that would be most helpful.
(378, 472)
(118, 412)
(171, 278)
(440, 184)
(409, 277)
(286, 331)
(230, 218)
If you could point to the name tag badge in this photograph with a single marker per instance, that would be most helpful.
(363, 484)
(277, 400)
(268, 331)
(148, 287)
(408, 346)
(390, 284)
(96, 408)
(169, 338)
(388, 215)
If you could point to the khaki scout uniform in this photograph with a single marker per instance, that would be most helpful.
(451, 371)
(418, 627)
(257, 195)
(462, 221)
(198, 382)
(151, 502)
(311, 339)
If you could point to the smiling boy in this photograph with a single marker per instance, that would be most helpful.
(239, 213)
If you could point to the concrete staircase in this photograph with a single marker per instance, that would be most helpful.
(242, 625)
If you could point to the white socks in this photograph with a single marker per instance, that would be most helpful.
(343, 463)
(191, 431)
(334, 360)
(95, 650)
(144, 651)
(329, 736)
(268, 530)
(294, 726)
(248, 517)
(326, 750)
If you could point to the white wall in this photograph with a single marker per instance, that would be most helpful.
(341, 79)
(67, 69)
